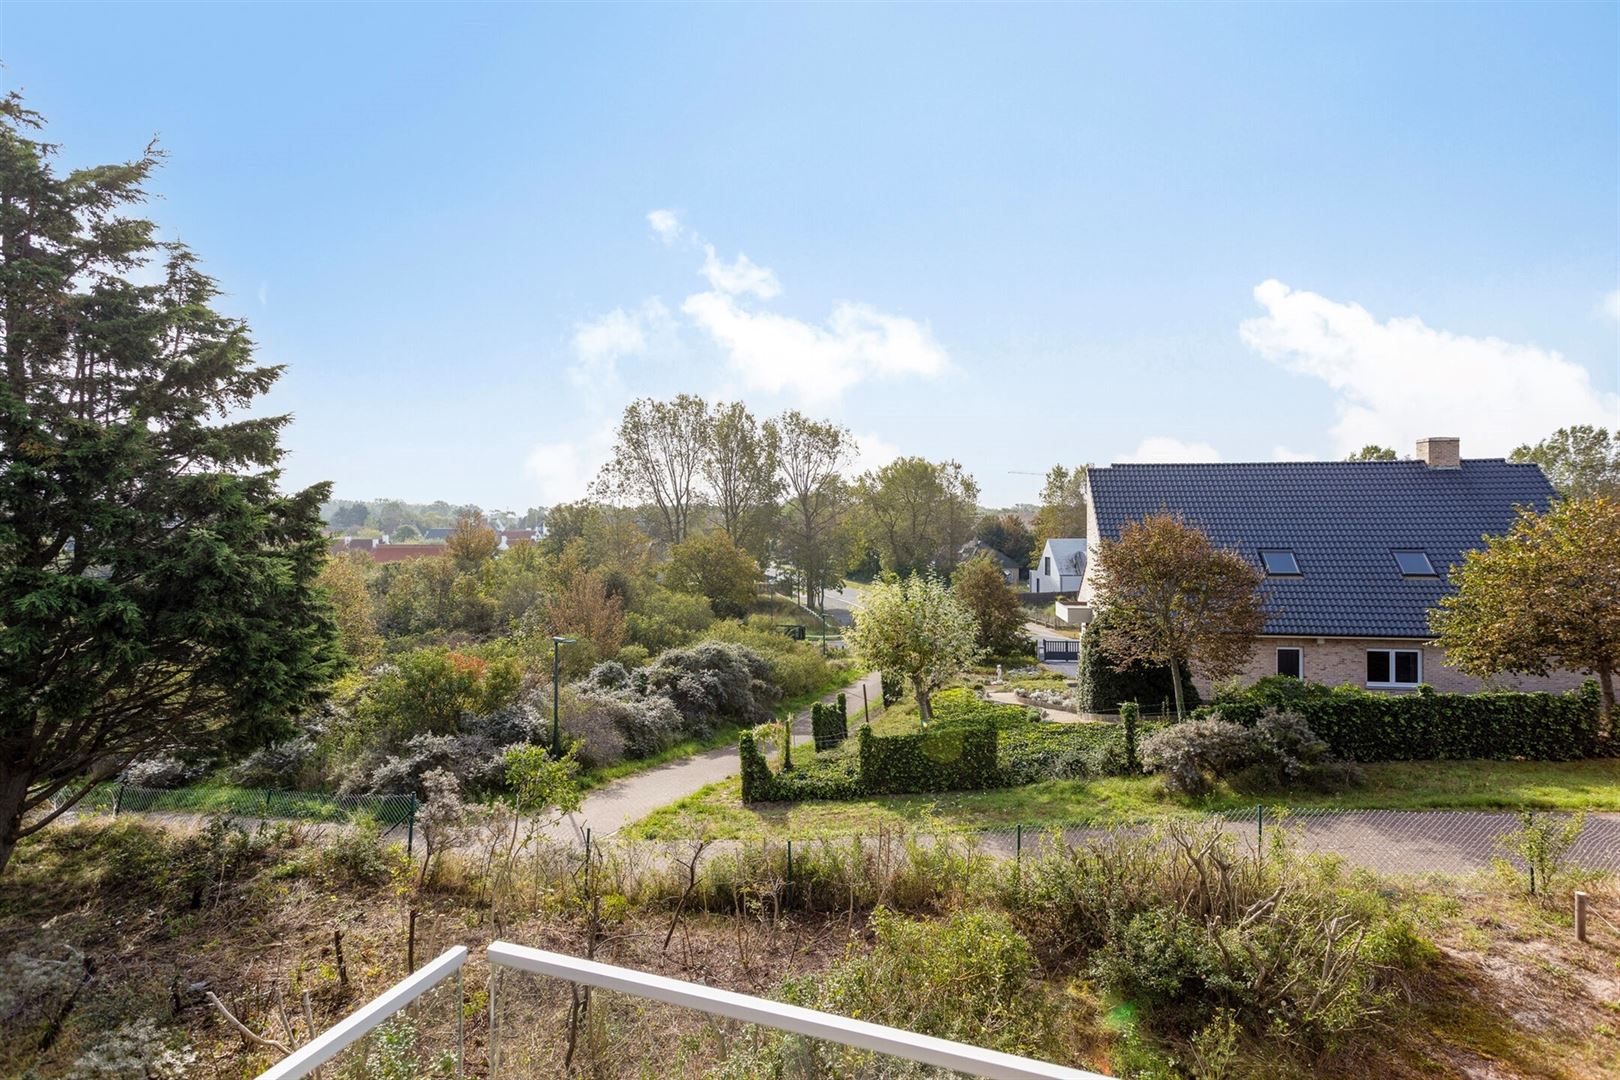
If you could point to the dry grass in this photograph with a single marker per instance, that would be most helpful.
(1510, 995)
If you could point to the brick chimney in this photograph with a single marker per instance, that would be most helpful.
(1440, 452)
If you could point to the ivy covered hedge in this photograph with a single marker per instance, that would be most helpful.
(1428, 726)
(1099, 688)
(972, 744)
(829, 723)
(954, 757)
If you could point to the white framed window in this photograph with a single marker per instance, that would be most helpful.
(1291, 661)
(1394, 667)
(1047, 561)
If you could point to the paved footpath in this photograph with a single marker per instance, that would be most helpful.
(609, 808)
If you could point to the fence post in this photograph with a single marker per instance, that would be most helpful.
(1018, 850)
(866, 717)
(266, 802)
(790, 871)
(410, 828)
(118, 798)
(1260, 828)
(1580, 916)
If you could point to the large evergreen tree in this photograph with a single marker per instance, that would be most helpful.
(157, 591)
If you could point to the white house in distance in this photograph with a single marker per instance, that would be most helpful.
(1061, 567)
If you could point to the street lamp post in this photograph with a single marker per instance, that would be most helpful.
(556, 678)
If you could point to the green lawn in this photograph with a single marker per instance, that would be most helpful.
(718, 809)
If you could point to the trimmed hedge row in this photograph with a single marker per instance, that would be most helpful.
(1428, 726)
(959, 757)
(829, 724)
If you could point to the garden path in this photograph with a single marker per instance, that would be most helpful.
(611, 807)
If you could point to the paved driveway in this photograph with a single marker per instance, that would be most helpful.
(1038, 633)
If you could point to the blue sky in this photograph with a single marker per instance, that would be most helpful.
(1010, 235)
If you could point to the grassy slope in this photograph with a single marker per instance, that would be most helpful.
(718, 808)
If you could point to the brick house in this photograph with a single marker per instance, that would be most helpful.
(1355, 553)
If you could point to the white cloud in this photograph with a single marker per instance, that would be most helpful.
(1611, 305)
(740, 277)
(563, 470)
(1288, 453)
(778, 354)
(1157, 448)
(601, 343)
(1400, 380)
(872, 453)
(666, 224)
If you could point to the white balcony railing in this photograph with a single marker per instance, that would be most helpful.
(909, 1045)
(960, 1057)
(372, 1015)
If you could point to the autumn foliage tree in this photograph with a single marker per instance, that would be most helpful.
(1544, 596)
(711, 566)
(1174, 598)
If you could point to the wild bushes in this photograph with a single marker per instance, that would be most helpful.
(1286, 948)
(1279, 751)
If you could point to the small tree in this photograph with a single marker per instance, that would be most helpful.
(1545, 596)
(1000, 618)
(917, 629)
(1174, 598)
(472, 542)
(711, 566)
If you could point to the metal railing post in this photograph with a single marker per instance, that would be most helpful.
(1018, 850)
(410, 827)
(118, 798)
(1260, 828)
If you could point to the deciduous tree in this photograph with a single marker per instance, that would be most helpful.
(1000, 617)
(1581, 460)
(813, 453)
(1373, 452)
(740, 466)
(343, 580)
(1544, 596)
(656, 462)
(157, 589)
(472, 542)
(917, 629)
(1009, 535)
(1174, 598)
(710, 565)
(915, 513)
(1063, 506)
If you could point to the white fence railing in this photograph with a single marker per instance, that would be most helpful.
(961, 1057)
(372, 1015)
(925, 1049)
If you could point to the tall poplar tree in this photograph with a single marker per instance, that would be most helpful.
(157, 589)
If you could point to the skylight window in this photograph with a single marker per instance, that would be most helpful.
(1414, 564)
(1280, 563)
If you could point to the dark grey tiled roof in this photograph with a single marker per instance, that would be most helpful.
(1342, 520)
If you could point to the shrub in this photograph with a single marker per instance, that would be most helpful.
(1191, 928)
(279, 765)
(893, 688)
(796, 668)
(1424, 726)
(1101, 688)
(829, 725)
(164, 771)
(1129, 715)
(1278, 751)
(713, 681)
(954, 757)
(1193, 754)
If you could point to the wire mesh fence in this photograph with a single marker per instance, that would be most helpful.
(388, 810)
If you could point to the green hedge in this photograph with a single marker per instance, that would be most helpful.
(823, 778)
(1428, 726)
(829, 724)
(1099, 688)
(958, 757)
